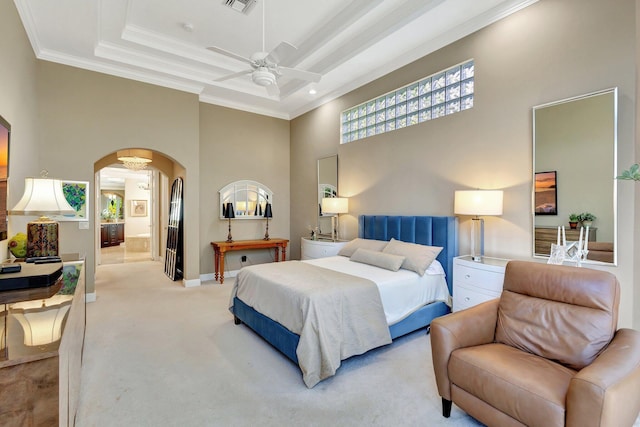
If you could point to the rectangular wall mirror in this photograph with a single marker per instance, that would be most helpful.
(327, 187)
(574, 165)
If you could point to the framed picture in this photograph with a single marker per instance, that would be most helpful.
(138, 208)
(546, 194)
(77, 195)
(5, 133)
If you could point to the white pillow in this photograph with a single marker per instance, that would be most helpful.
(370, 244)
(379, 259)
(417, 257)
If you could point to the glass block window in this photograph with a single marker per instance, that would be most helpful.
(440, 94)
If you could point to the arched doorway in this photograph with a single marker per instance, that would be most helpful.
(131, 207)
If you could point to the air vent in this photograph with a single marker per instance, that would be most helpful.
(243, 6)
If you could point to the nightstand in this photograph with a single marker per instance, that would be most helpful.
(312, 249)
(476, 282)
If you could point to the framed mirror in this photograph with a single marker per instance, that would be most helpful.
(574, 165)
(327, 187)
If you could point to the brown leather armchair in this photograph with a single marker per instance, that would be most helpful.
(546, 353)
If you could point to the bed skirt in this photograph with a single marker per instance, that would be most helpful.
(287, 342)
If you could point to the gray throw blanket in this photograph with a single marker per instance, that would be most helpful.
(337, 315)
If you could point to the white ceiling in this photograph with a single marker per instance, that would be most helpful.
(348, 42)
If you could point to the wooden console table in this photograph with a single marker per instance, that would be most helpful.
(220, 248)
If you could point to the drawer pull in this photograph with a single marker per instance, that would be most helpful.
(467, 299)
(466, 276)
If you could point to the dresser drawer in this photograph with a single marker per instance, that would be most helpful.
(465, 297)
(476, 278)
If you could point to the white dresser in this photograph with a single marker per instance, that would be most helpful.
(312, 249)
(476, 282)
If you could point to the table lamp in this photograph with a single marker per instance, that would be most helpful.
(229, 213)
(334, 206)
(268, 213)
(476, 203)
(42, 196)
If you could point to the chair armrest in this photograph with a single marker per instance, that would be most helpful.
(466, 328)
(605, 393)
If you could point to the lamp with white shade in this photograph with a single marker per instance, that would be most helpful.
(334, 206)
(42, 196)
(477, 203)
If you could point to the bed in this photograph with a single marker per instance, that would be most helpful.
(423, 230)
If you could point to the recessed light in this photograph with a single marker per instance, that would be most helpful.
(312, 91)
(188, 27)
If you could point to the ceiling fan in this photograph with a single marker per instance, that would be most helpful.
(265, 66)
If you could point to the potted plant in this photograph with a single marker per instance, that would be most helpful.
(573, 221)
(586, 219)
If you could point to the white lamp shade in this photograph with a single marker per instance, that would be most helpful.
(42, 196)
(478, 202)
(335, 205)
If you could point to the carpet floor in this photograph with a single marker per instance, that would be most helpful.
(159, 354)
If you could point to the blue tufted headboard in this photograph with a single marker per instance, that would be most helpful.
(426, 230)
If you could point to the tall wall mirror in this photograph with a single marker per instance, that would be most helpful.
(574, 165)
(327, 187)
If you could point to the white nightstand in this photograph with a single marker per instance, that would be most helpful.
(476, 282)
(311, 249)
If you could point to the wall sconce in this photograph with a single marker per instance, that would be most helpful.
(476, 203)
(229, 213)
(335, 206)
(42, 196)
(268, 213)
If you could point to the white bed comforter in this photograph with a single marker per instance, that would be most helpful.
(336, 315)
(402, 292)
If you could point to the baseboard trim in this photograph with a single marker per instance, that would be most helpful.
(90, 297)
(191, 283)
(211, 277)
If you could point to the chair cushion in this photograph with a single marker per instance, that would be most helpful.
(526, 387)
(567, 314)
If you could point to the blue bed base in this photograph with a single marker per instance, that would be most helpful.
(425, 230)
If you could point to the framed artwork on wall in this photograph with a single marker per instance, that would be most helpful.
(77, 195)
(138, 208)
(5, 131)
(546, 194)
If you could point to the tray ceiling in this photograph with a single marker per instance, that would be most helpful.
(349, 43)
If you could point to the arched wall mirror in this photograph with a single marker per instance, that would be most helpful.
(574, 164)
(327, 187)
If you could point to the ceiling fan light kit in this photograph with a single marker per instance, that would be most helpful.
(265, 69)
(263, 77)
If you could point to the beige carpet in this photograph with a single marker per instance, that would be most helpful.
(158, 354)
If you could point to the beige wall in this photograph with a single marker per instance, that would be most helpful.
(549, 51)
(241, 146)
(18, 102)
(84, 116)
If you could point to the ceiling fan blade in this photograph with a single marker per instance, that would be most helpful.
(273, 90)
(229, 54)
(233, 76)
(280, 53)
(295, 73)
